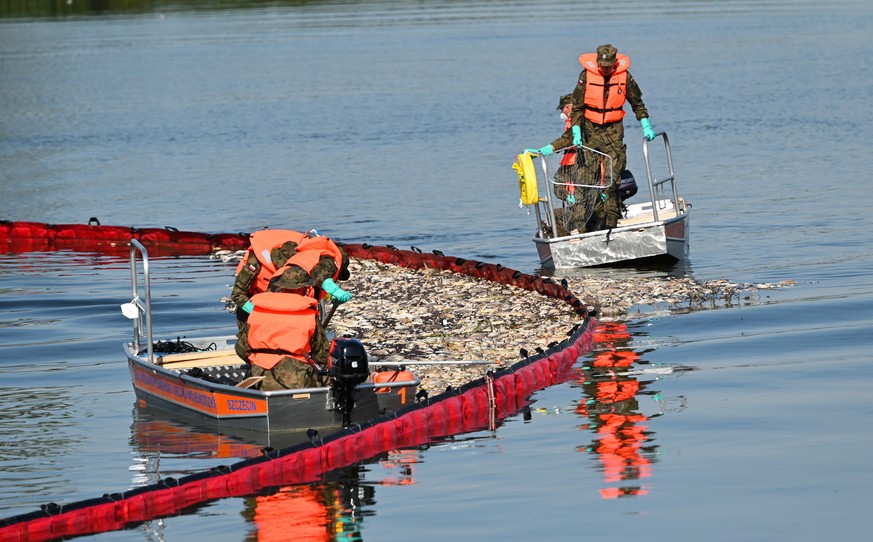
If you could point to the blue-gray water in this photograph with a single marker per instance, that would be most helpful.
(396, 122)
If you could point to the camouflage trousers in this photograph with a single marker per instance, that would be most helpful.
(608, 139)
(289, 374)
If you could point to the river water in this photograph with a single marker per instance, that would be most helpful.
(396, 123)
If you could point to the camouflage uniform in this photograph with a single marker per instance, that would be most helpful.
(569, 217)
(609, 139)
(242, 286)
(292, 373)
(294, 278)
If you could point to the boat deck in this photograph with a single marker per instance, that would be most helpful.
(645, 215)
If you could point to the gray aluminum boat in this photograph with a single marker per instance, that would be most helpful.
(212, 385)
(657, 229)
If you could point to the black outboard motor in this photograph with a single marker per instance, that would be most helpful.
(347, 367)
(628, 186)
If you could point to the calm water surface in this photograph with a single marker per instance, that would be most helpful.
(396, 122)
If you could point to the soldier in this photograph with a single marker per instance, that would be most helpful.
(601, 92)
(283, 338)
(283, 341)
(268, 252)
(570, 218)
(313, 269)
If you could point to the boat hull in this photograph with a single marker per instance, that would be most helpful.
(233, 409)
(666, 239)
(656, 229)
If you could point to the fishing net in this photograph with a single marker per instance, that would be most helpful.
(578, 176)
(178, 347)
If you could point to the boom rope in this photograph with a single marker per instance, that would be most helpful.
(474, 406)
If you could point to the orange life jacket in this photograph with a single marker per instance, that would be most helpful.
(312, 249)
(281, 325)
(309, 253)
(262, 242)
(605, 107)
(569, 157)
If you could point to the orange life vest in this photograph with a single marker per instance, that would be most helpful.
(605, 107)
(569, 157)
(309, 253)
(262, 242)
(281, 325)
(312, 249)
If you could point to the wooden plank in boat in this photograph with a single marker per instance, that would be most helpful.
(229, 358)
(250, 381)
(187, 356)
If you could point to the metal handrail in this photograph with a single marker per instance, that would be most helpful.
(142, 323)
(656, 186)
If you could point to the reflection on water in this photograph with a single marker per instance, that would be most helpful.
(27, 456)
(614, 386)
(331, 509)
(153, 433)
(155, 430)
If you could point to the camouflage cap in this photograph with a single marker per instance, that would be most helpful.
(564, 100)
(282, 253)
(292, 278)
(606, 55)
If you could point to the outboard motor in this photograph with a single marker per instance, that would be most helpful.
(347, 367)
(628, 186)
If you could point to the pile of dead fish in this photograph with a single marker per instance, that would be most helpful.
(407, 315)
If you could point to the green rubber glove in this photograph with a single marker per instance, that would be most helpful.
(338, 294)
(547, 150)
(647, 129)
(248, 307)
(532, 151)
(577, 135)
(571, 199)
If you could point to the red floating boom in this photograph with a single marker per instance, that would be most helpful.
(475, 406)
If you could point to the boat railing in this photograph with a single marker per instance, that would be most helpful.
(663, 191)
(552, 165)
(140, 307)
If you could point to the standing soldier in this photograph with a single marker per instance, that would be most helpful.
(601, 92)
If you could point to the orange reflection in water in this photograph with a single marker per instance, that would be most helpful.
(300, 511)
(623, 442)
(332, 510)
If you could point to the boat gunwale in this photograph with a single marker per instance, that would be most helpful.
(225, 388)
(620, 229)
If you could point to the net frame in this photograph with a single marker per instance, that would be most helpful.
(566, 176)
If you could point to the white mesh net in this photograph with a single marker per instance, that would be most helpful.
(577, 177)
